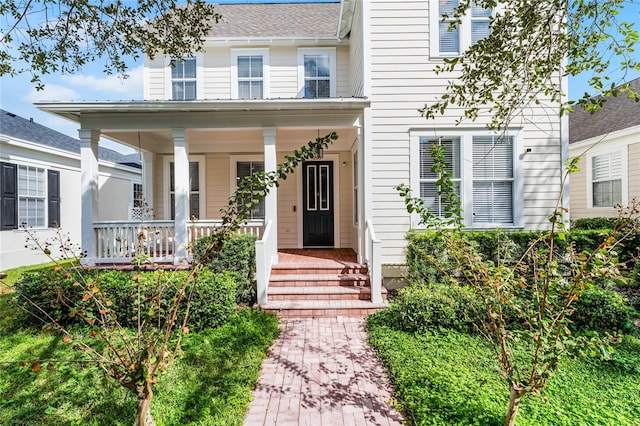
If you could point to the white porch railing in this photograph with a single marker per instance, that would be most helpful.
(373, 259)
(266, 257)
(119, 241)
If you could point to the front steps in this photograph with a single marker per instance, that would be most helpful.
(314, 288)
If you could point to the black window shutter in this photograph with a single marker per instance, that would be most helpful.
(8, 196)
(53, 201)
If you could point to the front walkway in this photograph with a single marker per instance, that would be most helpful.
(321, 371)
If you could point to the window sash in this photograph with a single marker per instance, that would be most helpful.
(194, 190)
(317, 76)
(493, 180)
(473, 28)
(31, 196)
(245, 169)
(429, 190)
(183, 79)
(250, 77)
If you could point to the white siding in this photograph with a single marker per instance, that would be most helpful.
(402, 81)
(356, 58)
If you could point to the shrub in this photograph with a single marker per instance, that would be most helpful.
(55, 292)
(238, 257)
(603, 310)
(419, 308)
(594, 223)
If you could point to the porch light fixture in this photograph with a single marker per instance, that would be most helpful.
(319, 154)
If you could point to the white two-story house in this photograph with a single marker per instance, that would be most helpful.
(272, 77)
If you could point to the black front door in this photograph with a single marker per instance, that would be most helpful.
(317, 198)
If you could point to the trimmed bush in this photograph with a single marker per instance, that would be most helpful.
(420, 308)
(238, 257)
(55, 292)
(602, 310)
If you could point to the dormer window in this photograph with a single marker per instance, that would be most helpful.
(183, 79)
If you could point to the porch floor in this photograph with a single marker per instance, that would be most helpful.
(327, 257)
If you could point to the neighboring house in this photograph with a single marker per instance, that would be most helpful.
(273, 76)
(608, 144)
(40, 187)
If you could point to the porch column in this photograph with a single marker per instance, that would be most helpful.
(181, 191)
(89, 192)
(271, 200)
(147, 178)
(362, 188)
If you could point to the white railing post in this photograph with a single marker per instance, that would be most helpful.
(374, 262)
(264, 259)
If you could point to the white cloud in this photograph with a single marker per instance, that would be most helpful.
(109, 84)
(51, 92)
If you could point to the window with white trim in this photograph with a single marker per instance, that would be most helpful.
(245, 169)
(138, 195)
(484, 172)
(183, 79)
(249, 73)
(317, 72)
(452, 41)
(607, 180)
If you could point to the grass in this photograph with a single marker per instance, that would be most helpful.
(449, 378)
(210, 385)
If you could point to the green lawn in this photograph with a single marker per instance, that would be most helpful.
(210, 385)
(449, 378)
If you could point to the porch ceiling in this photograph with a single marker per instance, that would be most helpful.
(232, 140)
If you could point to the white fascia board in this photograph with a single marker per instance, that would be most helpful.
(617, 137)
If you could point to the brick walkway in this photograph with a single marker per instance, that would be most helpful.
(321, 371)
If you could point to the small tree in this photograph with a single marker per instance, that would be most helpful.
(136, 358)
(524, 306)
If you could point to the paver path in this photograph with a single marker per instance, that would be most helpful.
(320, 372)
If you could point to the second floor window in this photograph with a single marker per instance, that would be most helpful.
(250, 77)
(452, 41)
(317, 76)
(183, 79)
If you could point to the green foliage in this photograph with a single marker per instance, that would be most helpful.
(420, 308)
(209, 385)
(449, 378)
(44, 37)
(602, 310)
(238, 257)
(594, 223)
(56, 292)
(518, 66)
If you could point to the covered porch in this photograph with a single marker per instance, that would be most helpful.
(193, 154)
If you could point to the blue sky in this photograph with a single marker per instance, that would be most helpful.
(18, 94)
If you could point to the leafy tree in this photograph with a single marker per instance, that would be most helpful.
(136, 358)
(44, 36)
(523, 308)
(533, 45)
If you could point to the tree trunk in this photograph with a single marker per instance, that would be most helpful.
(514, 403)
(143, 413)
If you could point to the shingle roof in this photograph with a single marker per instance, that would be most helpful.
(277, 20)
(617, 113)
(18, 127)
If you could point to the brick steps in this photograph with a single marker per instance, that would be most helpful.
(321, 288)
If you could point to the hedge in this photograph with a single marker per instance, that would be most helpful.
(56, 292)
(238, 257)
